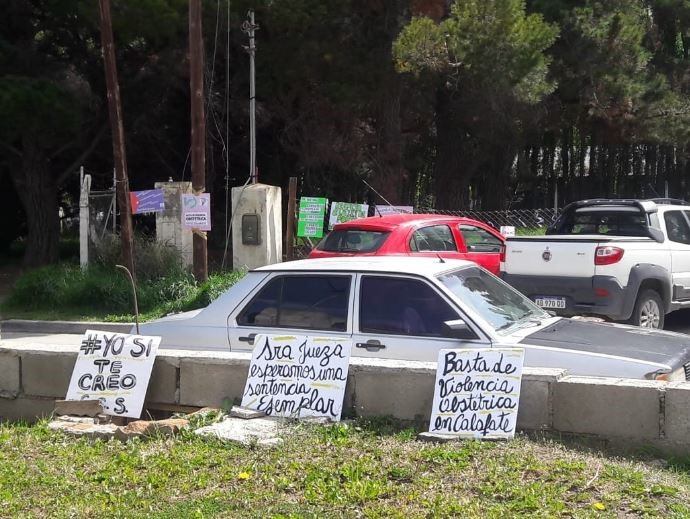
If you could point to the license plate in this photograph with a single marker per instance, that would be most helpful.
(550, 302)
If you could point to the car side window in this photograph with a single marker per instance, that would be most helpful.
(677, 227)
(434, 238)
(401, 306)
(309, 302)
(479, 240)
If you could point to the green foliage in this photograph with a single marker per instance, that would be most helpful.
(485, 41)
(103, 293)
(314, 474)
(152, 259)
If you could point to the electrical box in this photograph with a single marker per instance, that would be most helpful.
(250, 229)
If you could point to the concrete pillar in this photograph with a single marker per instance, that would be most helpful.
(169, 228)
(263, 202)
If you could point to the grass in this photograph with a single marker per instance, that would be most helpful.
(101, 293)
(365, 469)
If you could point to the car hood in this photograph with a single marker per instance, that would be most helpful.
(178, 316)
(672, 349)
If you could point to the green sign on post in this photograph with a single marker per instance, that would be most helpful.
(312, 211)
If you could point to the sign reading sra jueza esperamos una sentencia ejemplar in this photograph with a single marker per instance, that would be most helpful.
(477, 392)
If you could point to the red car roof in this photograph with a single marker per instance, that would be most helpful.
(392, 221)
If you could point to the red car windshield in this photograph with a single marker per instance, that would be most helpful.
(353, 240)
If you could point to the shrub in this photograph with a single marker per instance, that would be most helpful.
(152, 259)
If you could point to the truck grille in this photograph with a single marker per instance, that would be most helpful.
(687, 371)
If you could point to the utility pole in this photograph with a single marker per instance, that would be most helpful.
(196, 84)
(250, 28)
(118, 132)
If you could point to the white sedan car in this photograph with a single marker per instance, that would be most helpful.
(403, 308)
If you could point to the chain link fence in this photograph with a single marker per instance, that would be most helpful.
(527, 222)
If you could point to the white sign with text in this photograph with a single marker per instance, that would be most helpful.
(114, 368)
(477, 392)
(297, 376)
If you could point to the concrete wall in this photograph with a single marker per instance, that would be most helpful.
(169, 222)
(628, 412)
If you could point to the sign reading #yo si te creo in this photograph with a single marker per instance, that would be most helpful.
(296, 376)
(114, 368)
(477, 393)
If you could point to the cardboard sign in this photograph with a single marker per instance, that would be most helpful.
(477, 392)
(344, 212)
(312, 211)
(383, 210)
(298, 376)
(114, 368)
(149, 201)
(507, 230)
(196, 212)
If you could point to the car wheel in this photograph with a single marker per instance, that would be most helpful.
(648, 311)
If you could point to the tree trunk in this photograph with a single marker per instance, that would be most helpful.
(38, 194)
(454, 164)
(391, 175)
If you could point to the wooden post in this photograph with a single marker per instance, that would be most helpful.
(118, 133)
(196, 84)
(290, 224)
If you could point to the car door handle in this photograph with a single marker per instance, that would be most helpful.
(249, 339)
(372, 345)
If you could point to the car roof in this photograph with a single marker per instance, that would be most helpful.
(389, 264)
(391, 221)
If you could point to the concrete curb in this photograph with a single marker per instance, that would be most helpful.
(56, 327)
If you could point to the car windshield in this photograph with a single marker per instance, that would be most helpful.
(353, 240)
(497, 303)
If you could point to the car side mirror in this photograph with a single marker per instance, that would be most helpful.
(458, 329)
(656, 234)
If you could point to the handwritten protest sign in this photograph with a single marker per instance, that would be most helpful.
(383, 210)
(477, 392)
(344, 212)
(114, 368)
(312, 211)
(298, 376)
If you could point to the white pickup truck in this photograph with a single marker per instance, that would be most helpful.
(627, 260)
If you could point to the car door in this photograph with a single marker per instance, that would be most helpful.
(297, 304)
(678, 231)
(481, 246)
(432, 241)
(401, 317)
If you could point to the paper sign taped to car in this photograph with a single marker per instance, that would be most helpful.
(477, 392)
(298, 376)
(114, 368)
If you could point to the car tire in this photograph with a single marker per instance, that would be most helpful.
(648, 311)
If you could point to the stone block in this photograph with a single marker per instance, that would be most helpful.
(535, 411)
(47, 373)
(210, 381)
(9, 373)
(677, 414)
(398, 393)
(90, 408)
(26, 409)
(163, 386)
(614, 408)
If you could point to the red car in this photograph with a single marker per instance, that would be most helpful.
(415, 235)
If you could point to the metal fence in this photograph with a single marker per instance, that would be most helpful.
(525, 221)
